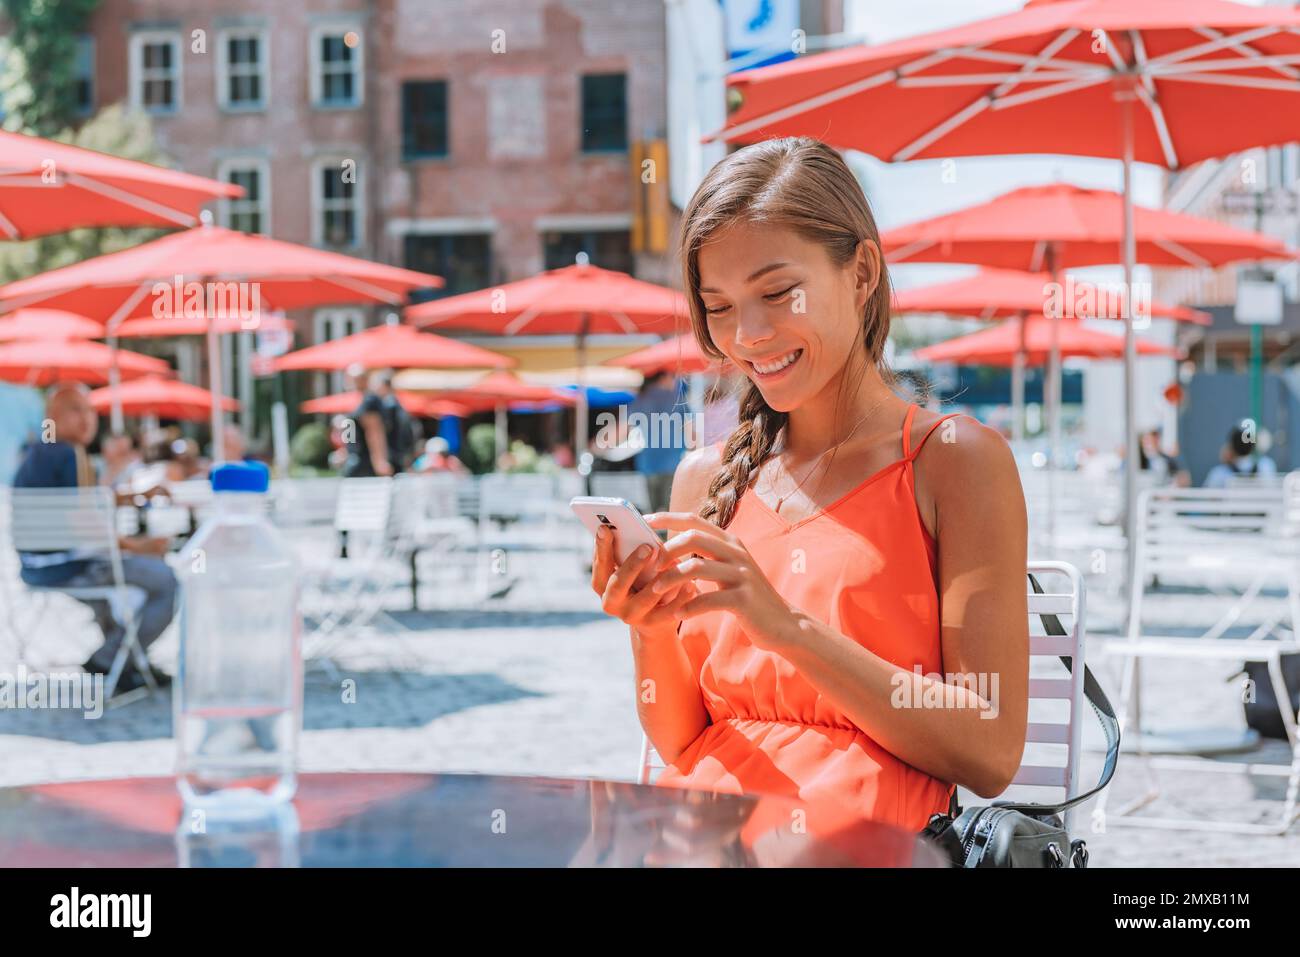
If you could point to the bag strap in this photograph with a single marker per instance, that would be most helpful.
(1101, 707)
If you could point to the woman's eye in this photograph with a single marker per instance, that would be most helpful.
(778, 296)
(715, 310)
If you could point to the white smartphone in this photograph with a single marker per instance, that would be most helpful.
(621, 517)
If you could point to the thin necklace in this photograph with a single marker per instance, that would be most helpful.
(781, 500)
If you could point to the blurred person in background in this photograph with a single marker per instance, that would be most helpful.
(233, 446)
(1240, 457)
(120, 461)
(367, 439)
(667, 418)
(1153, 458)
(399, 428)
(437, 457)
(63, 463)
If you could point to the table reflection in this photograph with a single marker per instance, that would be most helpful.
(439, 820)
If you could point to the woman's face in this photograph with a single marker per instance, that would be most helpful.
(781, 310)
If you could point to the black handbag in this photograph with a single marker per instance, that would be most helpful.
(1010, 834)
(1262, 714)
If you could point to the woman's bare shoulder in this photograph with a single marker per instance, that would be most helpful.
(693, 476)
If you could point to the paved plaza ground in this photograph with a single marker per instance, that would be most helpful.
(540, 682)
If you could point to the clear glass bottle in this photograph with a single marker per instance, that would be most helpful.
(238, 693)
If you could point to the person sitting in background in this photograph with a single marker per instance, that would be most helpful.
(233, 446)
(437, 457)
(121, 461)
(661, 402)
(1239, 457)
(338, 457)
(63, 463)
(1152, 458)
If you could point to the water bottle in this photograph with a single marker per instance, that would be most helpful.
(238, 692)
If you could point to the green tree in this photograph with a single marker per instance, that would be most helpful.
(36, 80)
(128, 134)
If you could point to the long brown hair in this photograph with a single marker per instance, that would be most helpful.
(799, 184)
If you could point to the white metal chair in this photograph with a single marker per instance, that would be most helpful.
(520, 512)
(1234, 542)
(82, 521)
(428, 504)
(1056, 699)
(629, 485)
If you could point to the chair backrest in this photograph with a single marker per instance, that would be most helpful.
(1056, 700)
(629, 485)
(518, 495)
(364, 505)
(302, 502)
(1222, 531)
(63, 519)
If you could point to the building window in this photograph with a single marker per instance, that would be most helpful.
(329, 324)
(156, 72)
(336, 76)
(424, 119)
(241, 69)
(337, 196)
(604, 113)
(83, 77)
(252, 213)
(463, 260)
(606, 248)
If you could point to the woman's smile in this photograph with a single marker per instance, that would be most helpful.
(772, 368)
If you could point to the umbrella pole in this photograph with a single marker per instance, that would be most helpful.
(580, 410)
(217, 419)
(1054, 410)
(501, 432)
(1130, 355)
(116, 424)
(1018, 387)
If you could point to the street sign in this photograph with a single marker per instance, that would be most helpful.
(1259, 302)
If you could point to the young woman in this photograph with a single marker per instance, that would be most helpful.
(842, 614)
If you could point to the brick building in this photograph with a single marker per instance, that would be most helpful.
(481, 140)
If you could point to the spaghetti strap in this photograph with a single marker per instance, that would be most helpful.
(929, 432)
(907, 431)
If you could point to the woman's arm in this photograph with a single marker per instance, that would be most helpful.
(979, 518)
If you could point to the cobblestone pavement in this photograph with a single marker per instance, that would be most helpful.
(539, 681)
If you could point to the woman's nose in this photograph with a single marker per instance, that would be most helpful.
(753, 328)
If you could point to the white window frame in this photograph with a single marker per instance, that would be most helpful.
(224, 37)
(318, 207)
(89, 39)
(139, 41)
(335, 323)
(226, 207)
(316, 80)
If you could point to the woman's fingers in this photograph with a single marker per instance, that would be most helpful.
(602, 565)
(694, 569)
(683, 522)
(705, 602)
(620, 583)
(697, 542)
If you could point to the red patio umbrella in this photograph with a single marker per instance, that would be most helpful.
(26, 324)
(213, 272)
(198, 326)
(1000, 345)
(48, 187)
(1209, 78)
(578, 300)
(416, 403)
(39, 363)
(393, 347)
(678, 354)
(163, 398)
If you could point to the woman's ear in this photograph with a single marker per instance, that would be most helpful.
(867, 266)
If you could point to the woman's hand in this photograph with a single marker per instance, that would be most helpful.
(743, 590)
(648, 611)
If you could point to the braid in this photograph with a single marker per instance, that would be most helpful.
(747, 448)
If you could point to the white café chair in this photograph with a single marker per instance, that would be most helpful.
(83, 521)
(1233, 542)
(1049, 769)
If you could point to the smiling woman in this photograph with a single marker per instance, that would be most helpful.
(843, 614)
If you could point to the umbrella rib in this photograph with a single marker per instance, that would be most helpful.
(7, 226)
(130, 199)
(1147, 94)
(904, 252)
(1043, 93)
(839, 93)
(1187, 53)
(521, 320)
(1183, 253)
(1001, 56)
(1249, 82)
(1281, 65)
(983, 79)
(369, 289)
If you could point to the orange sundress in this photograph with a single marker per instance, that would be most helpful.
(867, 567)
